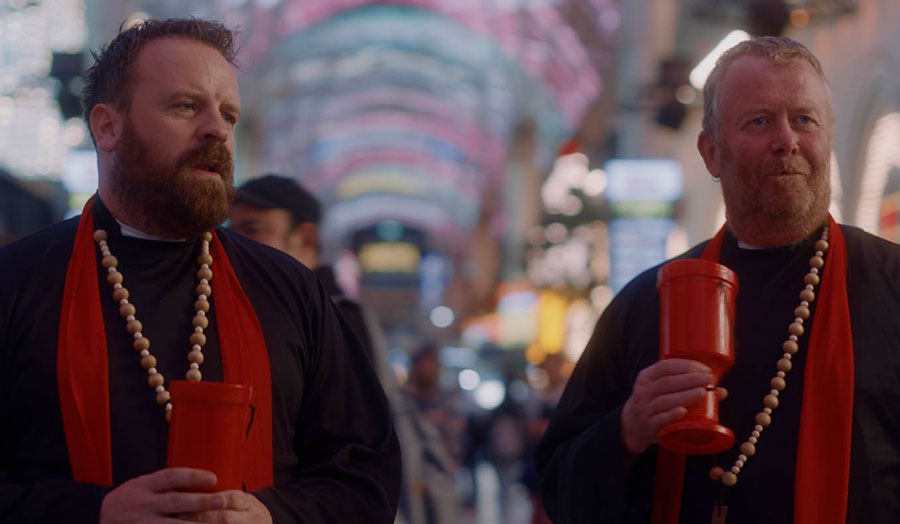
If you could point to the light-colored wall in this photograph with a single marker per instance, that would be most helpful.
(861, 57)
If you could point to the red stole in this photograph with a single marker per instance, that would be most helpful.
(826, 420)
(83, 374)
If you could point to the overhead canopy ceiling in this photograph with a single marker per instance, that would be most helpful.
(406, 111)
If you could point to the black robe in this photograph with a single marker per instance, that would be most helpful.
(351, 310)
(583, 474)
(336, 458)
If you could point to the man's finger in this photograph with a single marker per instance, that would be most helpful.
(674, 366)
(664, 419)
(681, 382)
(236, 500)
(721, 393)
(684, 398)
(178, 502)
(170, 479)
(185, 518)
(202, 516)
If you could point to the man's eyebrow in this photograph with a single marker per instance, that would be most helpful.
(753, 111)
(183, 94)
(231, 108)
(808, 108)
(194, 95)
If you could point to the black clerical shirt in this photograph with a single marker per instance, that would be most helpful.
(335, 455)
(583, 475)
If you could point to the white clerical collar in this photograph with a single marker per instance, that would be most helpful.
(744, 245)
(128, 231)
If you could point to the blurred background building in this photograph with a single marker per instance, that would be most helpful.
(493, 171)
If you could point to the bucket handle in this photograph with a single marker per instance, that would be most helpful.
(252, 416)
(249, 425)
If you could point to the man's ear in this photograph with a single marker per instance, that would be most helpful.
(709, 151)
(106, 125)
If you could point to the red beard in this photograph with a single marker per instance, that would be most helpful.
(170, 201)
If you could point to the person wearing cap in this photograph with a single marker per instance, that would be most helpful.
(277, 211)
(814, 393)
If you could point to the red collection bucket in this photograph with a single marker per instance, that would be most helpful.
(208, 428)
(696, 314)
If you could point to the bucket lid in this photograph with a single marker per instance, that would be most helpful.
(219, 392)
(699, 267)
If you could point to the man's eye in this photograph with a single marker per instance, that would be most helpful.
(230, 118)
(805, 119)
(758, 121)
(185, 106)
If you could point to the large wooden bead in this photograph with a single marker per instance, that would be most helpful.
(747, 448)
(811, 278)
(207, 236)
(763, 419)
(100, 235)
(202, 305)
(133, 326)
(801, 312)
(198, 338)
(770, 401)
(204, 272)
(162, 397)
(790, 346)
(201, 322)
(120, 294)
(784, 365)
(126, 310)
(141, 344)
(109, 261)
(204, 289)
(205, 258)
(729, 479)
(155, 380)
(821, 245)
(193, 375)
(114, 277)
(778, 383)
(795, 329)
(807, 295)
(195, 357)
(817, 262)
(148, 361)
(715, 474)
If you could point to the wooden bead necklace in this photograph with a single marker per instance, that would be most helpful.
(778, 383)
(141, 343)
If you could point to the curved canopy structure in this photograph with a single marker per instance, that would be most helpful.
(406, 111)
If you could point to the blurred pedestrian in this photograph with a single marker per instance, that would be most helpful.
(280, 212)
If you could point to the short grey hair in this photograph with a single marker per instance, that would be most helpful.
(779, 49)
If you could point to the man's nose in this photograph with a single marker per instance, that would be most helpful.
(785, 139)
(213, 126)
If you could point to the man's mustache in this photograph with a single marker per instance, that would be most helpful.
(210, 156)
(790, 166)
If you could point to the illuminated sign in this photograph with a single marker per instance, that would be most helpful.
(389, 257)
(644, 180)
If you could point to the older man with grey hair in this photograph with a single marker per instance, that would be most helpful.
(813, 395)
